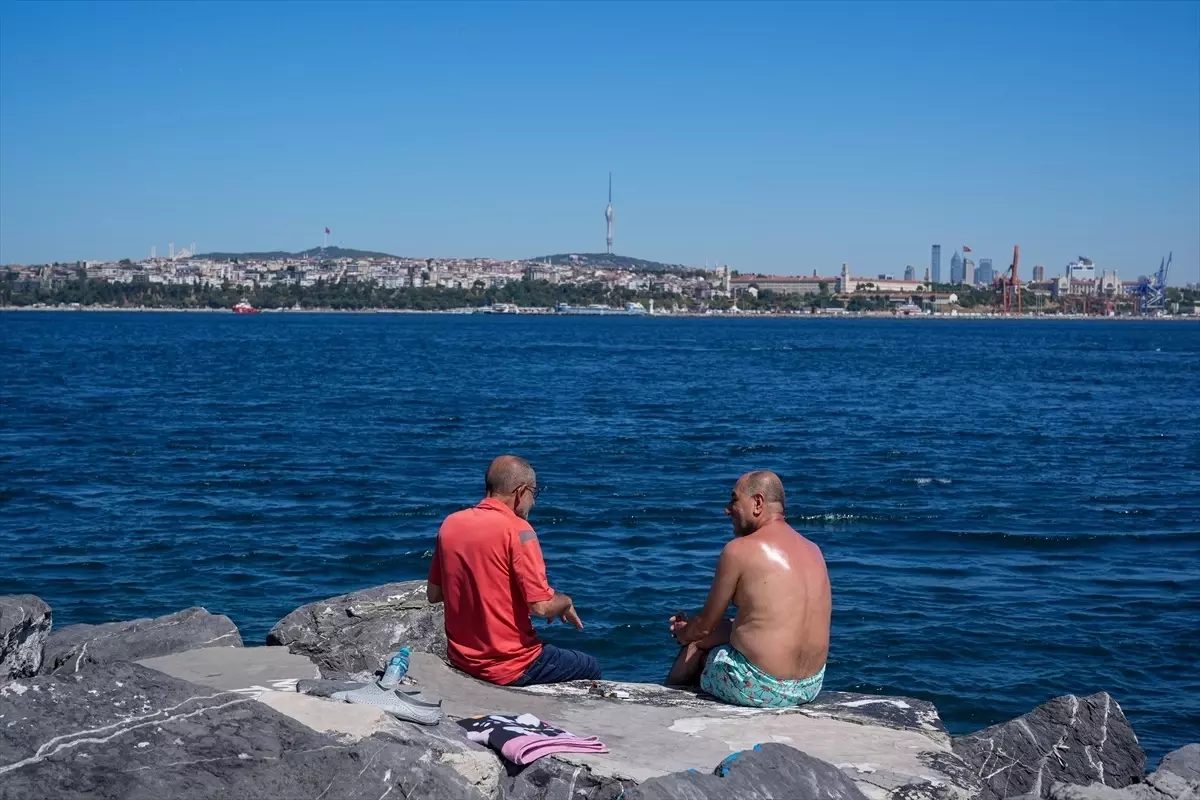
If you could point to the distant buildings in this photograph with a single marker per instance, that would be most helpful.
(935, 264)
(985, 274)
(968, 272)
(910, 273)
(956, 268)
(1082, 269)
(785, 284)
(1039, 273)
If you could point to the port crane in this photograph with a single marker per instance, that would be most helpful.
(1008, 286)
(1152, 291)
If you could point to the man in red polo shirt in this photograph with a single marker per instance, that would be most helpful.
(488, 570)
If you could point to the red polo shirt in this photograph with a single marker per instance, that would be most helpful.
(489, 565)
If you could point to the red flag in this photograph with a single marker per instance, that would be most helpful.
(965, 248)
(327, 231)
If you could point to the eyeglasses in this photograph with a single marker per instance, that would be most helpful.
(535, 490)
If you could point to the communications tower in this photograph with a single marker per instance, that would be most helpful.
(608, 214)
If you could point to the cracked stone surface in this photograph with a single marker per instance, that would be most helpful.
(121, 730)
(354, 634)
(551, 779)
(772, 771)
(1068, 739)
(279, 679)
(653, 731)
(1177, 778)
(899, 713)
(72, 648)
(24, 626)
(650, 731)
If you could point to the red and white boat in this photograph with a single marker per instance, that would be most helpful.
(245, 308)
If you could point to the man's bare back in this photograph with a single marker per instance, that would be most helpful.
(783, 602)
(779, 583)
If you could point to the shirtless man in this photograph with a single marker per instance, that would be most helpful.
(772, 654)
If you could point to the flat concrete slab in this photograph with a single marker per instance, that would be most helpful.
(882, 743)
(250, 670)
(270, 675)
(653, 731)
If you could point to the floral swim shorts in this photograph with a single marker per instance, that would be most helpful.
(728, 675)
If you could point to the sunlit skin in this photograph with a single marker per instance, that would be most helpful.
(777, 580)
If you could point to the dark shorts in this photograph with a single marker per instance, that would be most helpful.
(556, 665)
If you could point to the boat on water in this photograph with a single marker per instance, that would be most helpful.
(245, 308)
(599, 309)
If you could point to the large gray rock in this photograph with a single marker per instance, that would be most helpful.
(1068, 739)
(70, 648)
(124, 731)
(1177, 778)
(24, 625)
(356, 633)
(1184, 762)
(767, 772)
(447, 745)
(552, 779)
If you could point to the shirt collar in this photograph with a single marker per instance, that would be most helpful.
(495, 505)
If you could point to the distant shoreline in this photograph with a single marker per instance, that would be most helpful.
(658, 315)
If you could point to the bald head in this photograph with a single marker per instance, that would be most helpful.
(763, 482)
(506, 473)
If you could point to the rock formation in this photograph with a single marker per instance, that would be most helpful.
(24, 625)
(126, 732)
(355, 634)
(1177, 778)
(192, 719)
(71, 647)
(1068, 739)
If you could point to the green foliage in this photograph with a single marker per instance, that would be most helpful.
(340, 295)
(611, 261)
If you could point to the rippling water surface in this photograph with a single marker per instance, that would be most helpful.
(1010, 511)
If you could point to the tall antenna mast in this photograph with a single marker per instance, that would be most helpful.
(608, 214)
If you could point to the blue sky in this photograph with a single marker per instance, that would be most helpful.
(782, 137)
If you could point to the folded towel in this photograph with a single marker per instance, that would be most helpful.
(527, 749)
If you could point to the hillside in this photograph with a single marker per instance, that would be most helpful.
(276, 255)
(612, 261)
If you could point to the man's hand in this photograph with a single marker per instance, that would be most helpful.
(678, 622)
(570, 617)
(554, 607)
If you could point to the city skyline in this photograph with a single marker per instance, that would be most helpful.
(957, 262)
(470, 139)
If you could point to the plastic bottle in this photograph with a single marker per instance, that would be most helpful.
(397, 668)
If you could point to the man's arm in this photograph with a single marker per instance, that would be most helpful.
(554, 607)
(433, 593)
(720, 595)
(530, 570)
(433, 586)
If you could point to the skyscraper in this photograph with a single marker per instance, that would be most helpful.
(608, 213)
(969, 272)
(1039, 273)
(985, 274)
(935, 264)
(910, 273)
(956, 268)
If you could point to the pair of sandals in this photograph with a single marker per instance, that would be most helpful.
(406, 703)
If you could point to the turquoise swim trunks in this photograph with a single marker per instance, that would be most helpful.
(729, 676)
